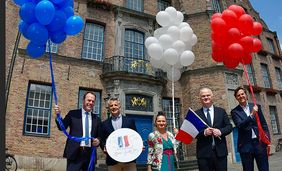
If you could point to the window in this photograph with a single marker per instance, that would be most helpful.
(163, 4)
(53, 46)
(279, 77)
(273, 119)
(97, 105)
(136, 5)
(265, 75)
(93, 42)
(216, 6)
(133, 50)
(271, 45)
(38, 110)
(251, 74)
(167, 109)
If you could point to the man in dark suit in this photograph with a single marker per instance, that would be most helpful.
(249, 146)
(116, 121)
(211, 146)
(82, 123)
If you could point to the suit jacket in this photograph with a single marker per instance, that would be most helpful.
(107, 128)
(73, 120)
(245, 124)
(204, 143)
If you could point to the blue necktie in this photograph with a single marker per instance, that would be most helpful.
(86, 127)
(209, 117)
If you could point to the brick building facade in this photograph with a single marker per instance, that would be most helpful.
(109, 69)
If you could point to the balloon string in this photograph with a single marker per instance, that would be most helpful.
(59, 118)
(250, 84)
(172, 87)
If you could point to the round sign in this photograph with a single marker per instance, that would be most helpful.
(124, 145)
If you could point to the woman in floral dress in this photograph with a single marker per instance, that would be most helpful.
(161, 146)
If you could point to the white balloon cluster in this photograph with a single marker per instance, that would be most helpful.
(170, 47)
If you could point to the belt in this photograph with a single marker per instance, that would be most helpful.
(168, 152)
(83, 148)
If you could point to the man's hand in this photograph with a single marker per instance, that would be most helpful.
(216, 132)
(57, 109)
(208, 131)
(95, 142)
(254, 111)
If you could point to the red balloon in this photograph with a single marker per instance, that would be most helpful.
(216, 15)
(237, 9)
(230, 18)
(257, 46)
(247, 43)
(257, 28)
(218, 52)
(218, 25)
(220, 38)
(235, 51)
(247, 59)
(231, 63)
(233, 35)
(245, 23)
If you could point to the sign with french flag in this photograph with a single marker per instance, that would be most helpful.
(190, 127)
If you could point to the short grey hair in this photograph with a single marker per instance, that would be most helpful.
(113, 99)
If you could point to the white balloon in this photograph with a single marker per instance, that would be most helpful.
(163, 18)
(170, 56)
(179, 18)
(155, 50)
(160, 31)
(156, 63)
(183, 24)
(179, 46)
(150, 40)
(188, 45)
(172, 14)
(166, 41)
(187, 58)
(174, 74)
(174, 32)
(194, 39)
(186, 33)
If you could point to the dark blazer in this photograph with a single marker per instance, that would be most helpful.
(73, 120)
(245, 124)
(204, 143)
(107, 128)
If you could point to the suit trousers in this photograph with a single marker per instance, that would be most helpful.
(123, 167)
(81, 162)
(258, 153)
(213, 163)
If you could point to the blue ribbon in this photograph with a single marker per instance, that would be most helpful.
(59, 118)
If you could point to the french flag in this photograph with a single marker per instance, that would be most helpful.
(190, 127)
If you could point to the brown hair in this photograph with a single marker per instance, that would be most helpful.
(89, 92)
(160, 113)
(239, 88)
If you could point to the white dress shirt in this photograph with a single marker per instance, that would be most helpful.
(82, 143)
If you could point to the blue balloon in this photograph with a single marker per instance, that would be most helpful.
(68, 10)
(20, 2)
(35, 1)
(74, 25)
(35, 51)
(38, 33)
(23, 26)
(58, 21)
(27, 12)
(44, 12)
(66, 3)
(58, 36)
(58, 1)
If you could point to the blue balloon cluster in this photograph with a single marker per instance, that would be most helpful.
(42, 20)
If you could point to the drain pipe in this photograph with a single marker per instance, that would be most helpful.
(11, 68)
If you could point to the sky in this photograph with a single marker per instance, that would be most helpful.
(271, 13)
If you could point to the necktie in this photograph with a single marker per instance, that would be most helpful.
(209, 122)
(209, 117)
(86, 127)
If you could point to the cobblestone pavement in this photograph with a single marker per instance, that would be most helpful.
(275, 163)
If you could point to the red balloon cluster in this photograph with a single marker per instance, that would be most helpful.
(232, 40)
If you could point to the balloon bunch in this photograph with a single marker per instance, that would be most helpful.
(232, 40)
(47, 19)
(170, 47)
